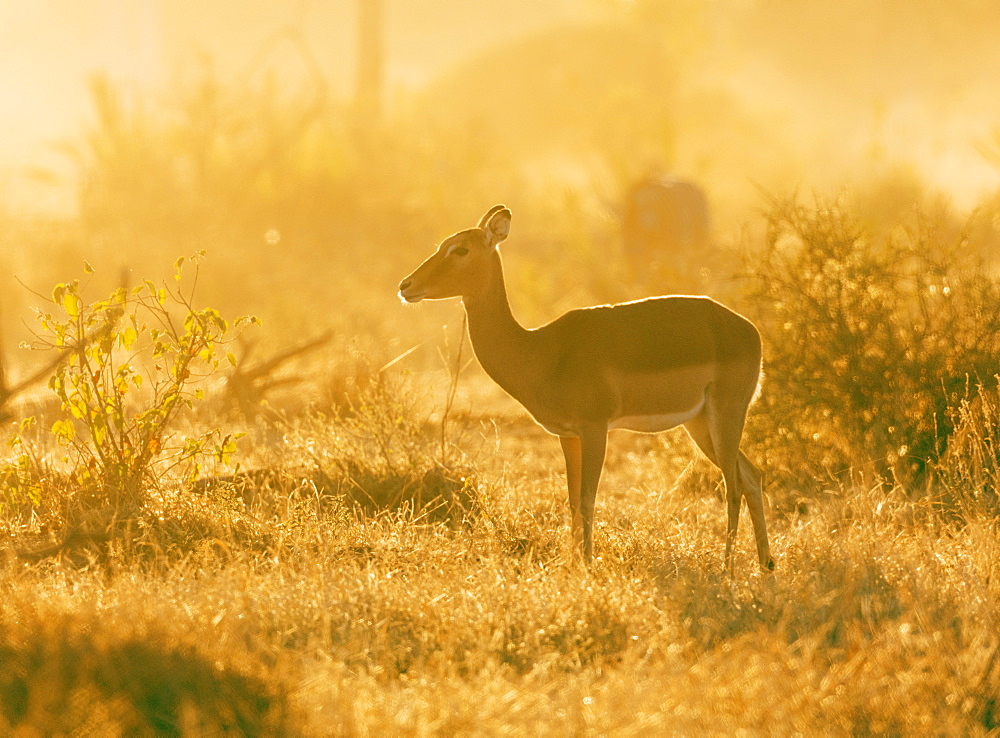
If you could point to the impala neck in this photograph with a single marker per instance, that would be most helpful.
(502, 345)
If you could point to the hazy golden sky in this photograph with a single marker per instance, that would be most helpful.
(912, 82)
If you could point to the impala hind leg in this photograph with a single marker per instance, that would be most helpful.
(727, 403)
(727, 450)
(750, 479)
(572, 452)
(750, 485)
(717, 430)
(700, 429)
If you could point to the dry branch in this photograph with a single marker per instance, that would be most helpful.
(246, 386)
(8, 393)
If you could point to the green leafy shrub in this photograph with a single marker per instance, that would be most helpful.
(131, 364)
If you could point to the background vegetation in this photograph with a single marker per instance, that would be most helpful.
(332, 522)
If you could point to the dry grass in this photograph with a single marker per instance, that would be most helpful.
(299, 612)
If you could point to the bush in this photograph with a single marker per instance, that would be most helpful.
(127, 371)
(870, 339)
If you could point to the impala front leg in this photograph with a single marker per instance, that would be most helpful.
(593, 443)
(572, 454)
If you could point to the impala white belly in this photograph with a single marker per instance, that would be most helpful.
(657, 401)
(656, 423)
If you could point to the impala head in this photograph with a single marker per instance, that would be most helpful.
(462, 264)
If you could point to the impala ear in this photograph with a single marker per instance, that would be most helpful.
(496, 225)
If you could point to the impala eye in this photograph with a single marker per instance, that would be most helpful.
(458, 251)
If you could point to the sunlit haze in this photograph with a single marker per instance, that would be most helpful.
(782, 94)
(402, 367)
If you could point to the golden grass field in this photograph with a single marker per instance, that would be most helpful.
(293, 614)
(386, 550)
(404, 565)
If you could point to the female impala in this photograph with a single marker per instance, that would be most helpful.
(645, 366)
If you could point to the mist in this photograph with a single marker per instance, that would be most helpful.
(245, 488)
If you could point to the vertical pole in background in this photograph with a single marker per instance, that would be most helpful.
(371, 61)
